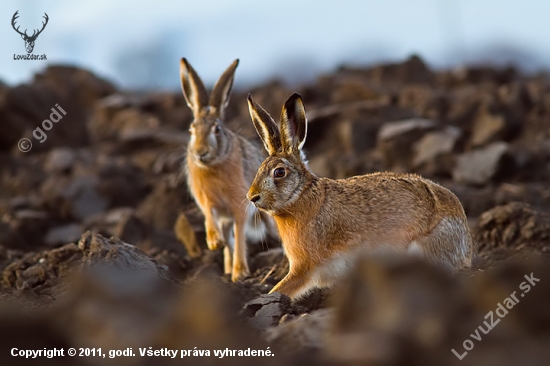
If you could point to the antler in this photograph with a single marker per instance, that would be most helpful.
(34, 34)
(15, 16)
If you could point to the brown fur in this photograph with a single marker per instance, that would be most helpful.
(185, 234)
(220, 166)
(323, 222)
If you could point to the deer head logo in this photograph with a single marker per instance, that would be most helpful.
(29, 40)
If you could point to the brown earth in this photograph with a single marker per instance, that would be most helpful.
(112, 168)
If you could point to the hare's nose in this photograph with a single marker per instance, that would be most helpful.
(202, 154)
(254, 198)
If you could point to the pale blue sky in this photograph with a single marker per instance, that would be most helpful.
(137, 44)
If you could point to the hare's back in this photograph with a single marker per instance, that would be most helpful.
(402, 194)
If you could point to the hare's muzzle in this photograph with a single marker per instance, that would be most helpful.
(253, 197)
(202, 156)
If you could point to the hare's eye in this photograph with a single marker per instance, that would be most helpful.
(217, 129)
(279, 173)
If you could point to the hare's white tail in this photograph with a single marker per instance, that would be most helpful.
(449, 244)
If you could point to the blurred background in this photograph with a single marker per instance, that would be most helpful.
(137, 44)
(454, 90)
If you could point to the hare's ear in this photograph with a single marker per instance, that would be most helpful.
(193, 89)
(265, 126)
(293, 124)
(222, 90)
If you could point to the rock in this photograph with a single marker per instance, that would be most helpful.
(481, 165)
(40, 272)
(163, 136)
(368, 348)
(35, 329)
(396, 140)
(270, 96)
(200, 314)
(388, 304)
(169, 162)
(162, 206)
(81, 193)
(131, 229)
(121, 183)
(308, 331)
(317, 298)
(513, 227)
(392, 130)
(63, 234)
(60, 160)
(30, 214)
(413, 71)
(23, 229)
(109, 220)
(161, 209)
(352, 90)
(463, 105)
(342, 134)
(424, 100)
(25, 106)
(474, 199)
(110, 122)
(398, 310)
(43, 271)
(85, 198)
(120, 222)
(95, 314)
(417, 288)
(433, 150)
(178, 265)
(268, 258)
(20, 203)
(481, 74)
(488, 128)
(269, 267)
(266, 310)
(114, 253)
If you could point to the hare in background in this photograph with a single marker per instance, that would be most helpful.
(220, 166)
(325, 223)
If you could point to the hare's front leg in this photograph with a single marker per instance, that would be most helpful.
(214, 236)
(240, 262)
(295, 282)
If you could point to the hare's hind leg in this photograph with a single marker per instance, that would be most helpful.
(227, 226)
(240, 262)
(448, 244)
(227, 260)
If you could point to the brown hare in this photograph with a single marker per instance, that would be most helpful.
(220, 166)
(325, 223)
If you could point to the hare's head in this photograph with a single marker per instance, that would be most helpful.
(209, 142)
(283, 176)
